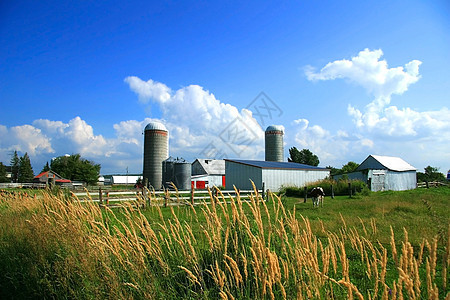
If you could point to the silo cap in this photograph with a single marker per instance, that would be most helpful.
(155, 126)
(275, 128)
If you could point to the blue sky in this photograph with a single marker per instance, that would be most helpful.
(349, 79)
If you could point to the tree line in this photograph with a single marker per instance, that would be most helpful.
(72, 167)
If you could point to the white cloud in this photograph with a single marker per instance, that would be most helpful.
(366, 69)
(332, 149)
(24, 138)
(195, 119)
(384, 127)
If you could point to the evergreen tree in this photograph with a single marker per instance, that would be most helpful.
(46, 168)
(3, 177)
(15, 167)
(25, 169)
(303, 157)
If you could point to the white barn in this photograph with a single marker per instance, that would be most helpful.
(273, 174)
(208, 173)
(386, 173)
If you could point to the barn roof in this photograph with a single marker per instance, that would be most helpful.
(212, 166)
(276, 165)
(385, 162)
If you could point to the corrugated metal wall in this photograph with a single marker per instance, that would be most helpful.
(274, 178)
(391, 180)
(239, 175)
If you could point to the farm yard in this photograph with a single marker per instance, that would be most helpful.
(383, 245)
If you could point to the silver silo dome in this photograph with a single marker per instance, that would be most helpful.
(156, 150)
(182, 174)
(274, 143)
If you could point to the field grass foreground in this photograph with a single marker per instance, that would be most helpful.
(388, 245)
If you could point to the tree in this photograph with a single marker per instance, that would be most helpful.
(15, 167)
(3, 177)
(46, 168)
(303, 157)
(349, 167)
(76, 168)
(25, 169)
(333, 170)
(431, 174)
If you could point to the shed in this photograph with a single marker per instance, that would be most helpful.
(273, 174)
(208, 172)
(386, 173)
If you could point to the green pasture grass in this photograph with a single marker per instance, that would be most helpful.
(37, 262)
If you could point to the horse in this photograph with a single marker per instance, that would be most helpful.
(317, 195)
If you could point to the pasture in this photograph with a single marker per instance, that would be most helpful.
(384, 245)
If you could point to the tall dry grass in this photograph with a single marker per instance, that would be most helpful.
(228, 249)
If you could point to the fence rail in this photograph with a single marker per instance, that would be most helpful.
(431, 184)
(163, 198)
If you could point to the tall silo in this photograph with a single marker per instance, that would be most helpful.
(156, 150)
(274, 143)
(182, 174)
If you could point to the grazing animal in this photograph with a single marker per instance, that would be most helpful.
(317, 195)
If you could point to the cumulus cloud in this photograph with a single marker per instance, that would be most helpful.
(196, 119)
(368, 70)
(25, 138)
(331, 148)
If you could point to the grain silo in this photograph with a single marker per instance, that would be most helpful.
(168, 171)
(182, 174)
(274, 143)
(156, 150)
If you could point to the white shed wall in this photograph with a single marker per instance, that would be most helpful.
(274, 178)
(394, 181)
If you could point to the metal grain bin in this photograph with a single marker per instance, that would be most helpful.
(156, 150)
(168, 171)
(274, 143)
(182, 172)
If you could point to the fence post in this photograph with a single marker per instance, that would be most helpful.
(332, 192)
(192, 194)
(107, 198)
(100, 195)
(350, 189)
(427, 184)
(305, 189)
(263, 193)
(166, 195)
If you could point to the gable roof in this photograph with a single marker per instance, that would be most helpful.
(276, 165)
(45, 174)
(385, 162)
(212, 166)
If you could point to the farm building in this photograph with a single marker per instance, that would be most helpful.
(208, 173)
(273, 174)
(385, 173)
(124, 179)
(48, 177)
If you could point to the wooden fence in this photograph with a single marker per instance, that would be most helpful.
(430, 184)
(161, 198)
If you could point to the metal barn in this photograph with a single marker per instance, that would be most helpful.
(273, 174)
(386, 173)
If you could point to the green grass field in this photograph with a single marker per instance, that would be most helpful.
(56, 247)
